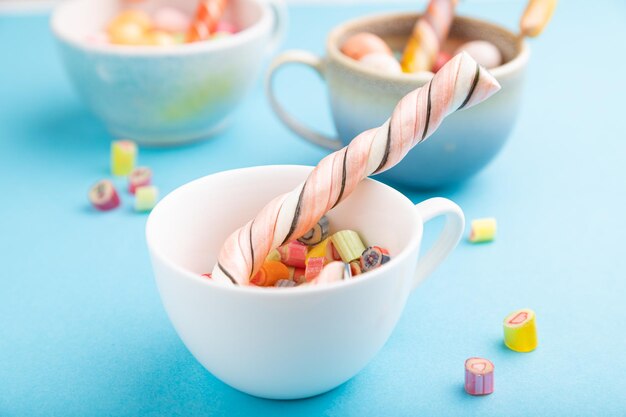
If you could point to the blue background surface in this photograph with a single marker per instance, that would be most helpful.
(82, 329)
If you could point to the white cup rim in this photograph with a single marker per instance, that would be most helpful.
(302, 291)
(500, 72)
(241, 37)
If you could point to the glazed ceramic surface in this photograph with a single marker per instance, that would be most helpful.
(362, 98)
(297, 342)
(165, 95)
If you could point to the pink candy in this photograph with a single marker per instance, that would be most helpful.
(139, 177)
(293, 254)
(478, 376)
(313, 268)
(103, 196)
(171, 20)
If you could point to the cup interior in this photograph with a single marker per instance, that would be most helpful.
(395, 29)
(76, 20)
(187, 228)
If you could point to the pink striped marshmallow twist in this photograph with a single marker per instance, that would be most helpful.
(461, 83)
(429, 34)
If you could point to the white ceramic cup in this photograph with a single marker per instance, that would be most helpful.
(287, 343)
(165, 95)
(362, 98)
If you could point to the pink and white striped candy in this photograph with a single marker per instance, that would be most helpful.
(479, 376)
(460, 84)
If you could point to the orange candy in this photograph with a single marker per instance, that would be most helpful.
(129, 28)
(270, 272)
(364, 43)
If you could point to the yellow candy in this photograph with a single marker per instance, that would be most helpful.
(146, 197)
(123, 157)
(274, 255)
(520, 332)
(348, 244)
(483, 230)
(321, 250)
(159, 38)
(129, 28)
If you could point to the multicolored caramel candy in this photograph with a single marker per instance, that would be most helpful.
(349, 245)
(123, 157)
(520, 332)
(146, 197)
(373, 257)
(478, 376)
(313, 268)
(293, 254)
(318, 233)
(103, 196)
(270, 273)
(483, 230)
(139, 177)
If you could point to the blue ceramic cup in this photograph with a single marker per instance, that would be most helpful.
(165, 95)
(362, 98)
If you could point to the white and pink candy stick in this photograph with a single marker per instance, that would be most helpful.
(461, 83)
(428, 36)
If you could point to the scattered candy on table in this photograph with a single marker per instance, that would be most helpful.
(536, 17)
(460, 84)
(123, 157)
(520, 332)
(478, 376)
(364, 43)
(485, 53)
(103, 196)
(140, 176)
(483, 230)
(146, 197)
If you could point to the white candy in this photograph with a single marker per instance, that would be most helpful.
(171, 20)
(381, 62)
(483, 52)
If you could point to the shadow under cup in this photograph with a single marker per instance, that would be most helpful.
(275, 342)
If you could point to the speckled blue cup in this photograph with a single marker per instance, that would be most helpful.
(362, 98)
(165, 95)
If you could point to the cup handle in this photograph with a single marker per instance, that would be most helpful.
(310, 60)
(279, 9)
(447, 241)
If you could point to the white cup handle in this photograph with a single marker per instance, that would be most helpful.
(310, 60)
(447, 241)
(279, 9)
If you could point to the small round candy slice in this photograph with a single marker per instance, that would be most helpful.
(373, 257)
(139, 177)
(318, 233)
(478, 376)
(103, 196)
